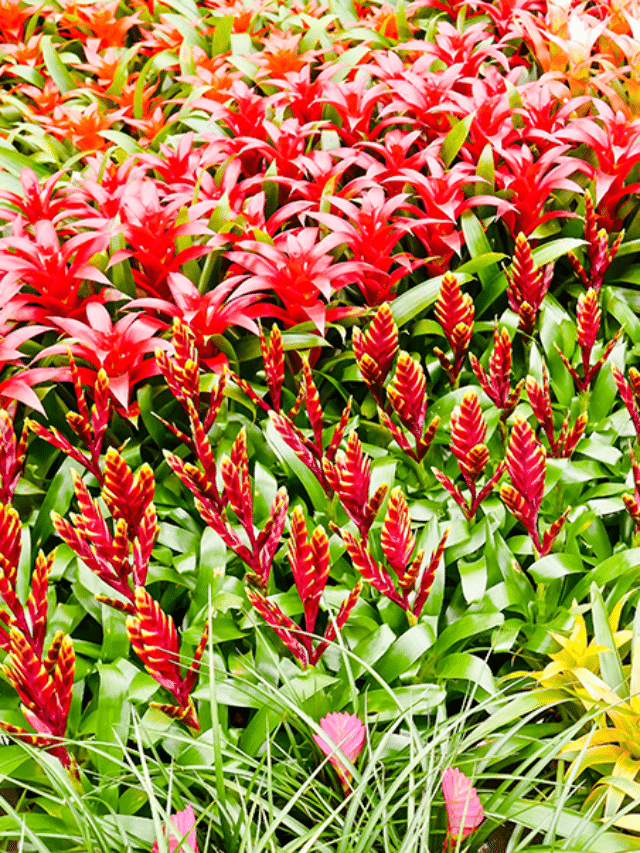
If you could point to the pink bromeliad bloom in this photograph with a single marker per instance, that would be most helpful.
(184, 823)
(344, 735)
(464, 809)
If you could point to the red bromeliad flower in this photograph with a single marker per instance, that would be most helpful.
(117, 348)
(151, 227)
(597, 249)
(206, 315)
(154, 639)
(529, 183)
(397, 543)
(299, 269)
(375, 350)
(371, 231)
(630, 393)
(632, 502)
(526, 464)
(343, 735)
(56, 271)
(464, 809)
(407, 396)
(589, 316)
(45, 688)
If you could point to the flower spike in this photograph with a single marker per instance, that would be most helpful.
(589, 316)
(407, 396)
(497, 385)
(468, 432)
(527, 285)
(464, 809)
(376, 349)
(540, 399)
(342, 734)
(526, 464)
(454, 312)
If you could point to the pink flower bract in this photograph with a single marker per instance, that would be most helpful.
(464, 809)
(184, 823)
(344, 732)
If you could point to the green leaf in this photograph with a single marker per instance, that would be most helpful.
(555, 566)
(417, 698)
(609, 657)
(467, 667)
(622, 562)
(455, 139)
(406, 650)
(467, 626)
(113, 716)
(55, 66)
(555, 249)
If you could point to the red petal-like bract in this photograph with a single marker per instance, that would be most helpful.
(369, 569)
(628, 393)
(464, 809)
(127, 495)
(284, 627)
(343, 734)
(45, 690)
(468, 432)
(428, 576)
(454, 312)
(408, 398)
(350, 478)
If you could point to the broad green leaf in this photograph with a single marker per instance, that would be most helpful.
(55, 66)
(113, 717)
(467, 626)
(406, 650)
(555, 566)
(418, 699)
(455, 139)
(467, 667)
(609, 657)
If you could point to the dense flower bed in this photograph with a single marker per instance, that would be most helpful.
(319, 480)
